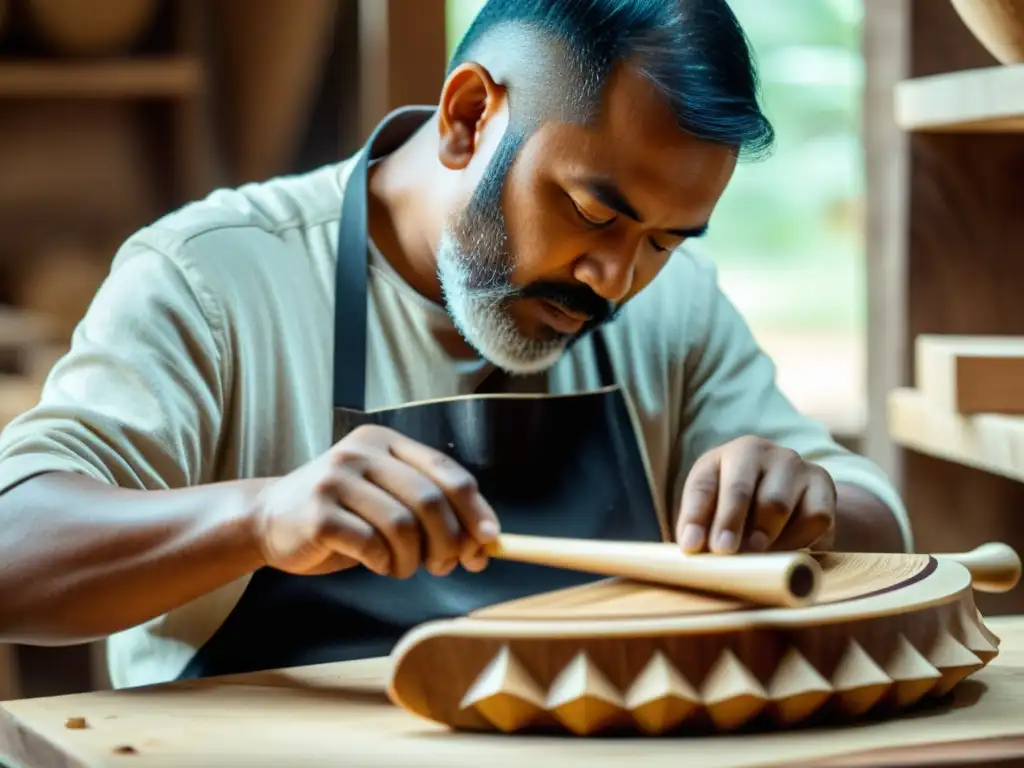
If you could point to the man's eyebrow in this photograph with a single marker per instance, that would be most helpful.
(611, 197)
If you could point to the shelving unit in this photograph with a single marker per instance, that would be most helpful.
(91, 148)
(944, 132)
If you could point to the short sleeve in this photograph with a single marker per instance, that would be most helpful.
(732, 392)
(138, 400)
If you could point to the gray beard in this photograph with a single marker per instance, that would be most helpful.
(477, 295)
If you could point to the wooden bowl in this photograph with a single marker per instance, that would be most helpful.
(93, 28)
(997, 24)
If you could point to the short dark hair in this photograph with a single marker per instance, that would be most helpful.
(694, 51)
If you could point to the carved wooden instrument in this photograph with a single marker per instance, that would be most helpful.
(887, 632)
(776, 578)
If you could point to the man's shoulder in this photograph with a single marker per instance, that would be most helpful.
(236, 239)
(240, 222)
(240, 253)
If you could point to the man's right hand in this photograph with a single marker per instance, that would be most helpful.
(378, 499)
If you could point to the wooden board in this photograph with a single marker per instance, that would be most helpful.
(337, 715)
(990, 442)
(985, 100)
(179, 76)
(971, 374)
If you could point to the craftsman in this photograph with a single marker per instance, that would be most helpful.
(297, 413)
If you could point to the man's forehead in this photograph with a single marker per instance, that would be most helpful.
(680, 166)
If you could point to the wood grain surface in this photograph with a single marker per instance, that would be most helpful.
(338, 715)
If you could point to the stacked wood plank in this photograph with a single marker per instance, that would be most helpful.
(967, 402)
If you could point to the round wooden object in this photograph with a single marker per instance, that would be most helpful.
(887, 632)
(93, 28)
(997, 24)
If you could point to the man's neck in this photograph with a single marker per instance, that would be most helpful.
(403, 200)
(403, 218)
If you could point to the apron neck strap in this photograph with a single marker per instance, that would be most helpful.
(350, 290)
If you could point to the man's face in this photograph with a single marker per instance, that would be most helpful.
(567, 225)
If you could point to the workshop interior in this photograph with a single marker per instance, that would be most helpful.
(874, 254)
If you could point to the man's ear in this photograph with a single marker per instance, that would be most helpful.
(469, 99)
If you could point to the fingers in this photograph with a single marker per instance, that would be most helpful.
(409, 490)
(459, 486)
(425, 506)
(350, 537)
(700, 495)
(750, 495)
(477, 516)
(814, 515)
(779, 491)
(738, 480)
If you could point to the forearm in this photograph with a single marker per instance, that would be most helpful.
(863, 523)
(80, 560)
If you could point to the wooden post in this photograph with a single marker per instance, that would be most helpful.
(403, 55)
(885, 41)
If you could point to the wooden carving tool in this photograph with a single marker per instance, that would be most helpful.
(787, 579)
(790, 579)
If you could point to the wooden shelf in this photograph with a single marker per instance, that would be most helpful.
(989, 442)
(177, 76)
(987, 100)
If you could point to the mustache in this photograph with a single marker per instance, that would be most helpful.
(574, 297)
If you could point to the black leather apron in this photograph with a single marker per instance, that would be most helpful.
(552, 465)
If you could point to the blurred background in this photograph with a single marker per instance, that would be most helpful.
(113, 112)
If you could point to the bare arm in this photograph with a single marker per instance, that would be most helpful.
(81, 559)
(91, 539)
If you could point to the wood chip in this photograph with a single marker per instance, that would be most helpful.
(76, 723)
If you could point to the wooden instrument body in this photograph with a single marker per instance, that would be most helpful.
(617, 656)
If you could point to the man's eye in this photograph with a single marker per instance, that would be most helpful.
(589, 218)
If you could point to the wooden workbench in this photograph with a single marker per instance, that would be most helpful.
(336, 714)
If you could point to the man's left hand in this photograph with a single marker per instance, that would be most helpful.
(751, 495)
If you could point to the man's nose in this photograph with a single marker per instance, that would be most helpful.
(608, 272)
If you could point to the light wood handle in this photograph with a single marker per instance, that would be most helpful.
(994, 567)
(789, 579)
